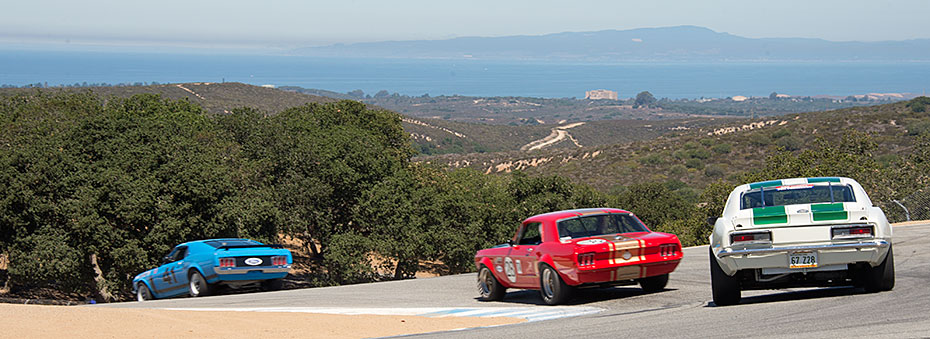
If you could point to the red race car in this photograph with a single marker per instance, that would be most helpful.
(556, 252)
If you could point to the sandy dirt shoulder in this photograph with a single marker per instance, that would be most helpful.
(29, 321)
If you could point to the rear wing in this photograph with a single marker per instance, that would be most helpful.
(227, 247)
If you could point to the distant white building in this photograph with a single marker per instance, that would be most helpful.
(739, 98)
(268, 86)
(600, 94)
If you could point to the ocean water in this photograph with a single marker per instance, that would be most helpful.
(467, 76)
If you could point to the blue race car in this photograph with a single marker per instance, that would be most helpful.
(197, 267)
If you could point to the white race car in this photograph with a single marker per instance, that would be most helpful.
(800, 232)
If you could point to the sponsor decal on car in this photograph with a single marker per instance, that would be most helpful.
(592, 242)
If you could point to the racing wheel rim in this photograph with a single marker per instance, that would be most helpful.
(484, 282)
(196, 284)
(548, 283)
(141, 294)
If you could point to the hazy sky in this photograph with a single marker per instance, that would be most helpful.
(292, 23)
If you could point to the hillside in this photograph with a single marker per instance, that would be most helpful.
(216, 98)
(519, 111)
(429, 135)
(680, 43)
(701, 155)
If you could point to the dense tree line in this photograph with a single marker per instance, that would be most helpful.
(95, 190)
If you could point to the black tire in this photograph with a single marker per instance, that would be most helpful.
(726, 289)
(553, 289)
(881, 277)
(272, 284)
(489, 288)
(197, 286)
(143, 292)
(654, 284)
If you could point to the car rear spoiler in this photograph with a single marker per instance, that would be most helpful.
(227, 247)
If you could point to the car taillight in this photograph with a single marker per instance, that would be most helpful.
(852, 232)
(279, 260)
(586, 259)
(751, 237)
(667, 250)
(227, 262)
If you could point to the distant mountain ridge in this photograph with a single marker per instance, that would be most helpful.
(679, 43)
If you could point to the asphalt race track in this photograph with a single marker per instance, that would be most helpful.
(684, 309)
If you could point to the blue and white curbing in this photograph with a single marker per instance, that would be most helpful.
(528, 313)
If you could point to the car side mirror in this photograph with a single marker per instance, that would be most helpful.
(510, 242)
(166, 259)
(712, 221)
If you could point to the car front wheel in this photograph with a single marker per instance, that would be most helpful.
(725, 288)
(489, 289)
(553, 289)
(197, 285)
(143, 292)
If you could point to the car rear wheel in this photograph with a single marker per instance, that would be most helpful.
(197, 285)
(726, 289)
(881, 277)
(489, 289)
(553, 289)
(654, 284)
(272, 284)
(143, 292)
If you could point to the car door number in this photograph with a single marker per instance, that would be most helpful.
(169, 276)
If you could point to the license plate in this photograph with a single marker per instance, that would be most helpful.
(802, 259)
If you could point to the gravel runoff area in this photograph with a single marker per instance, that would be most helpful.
(31, 321)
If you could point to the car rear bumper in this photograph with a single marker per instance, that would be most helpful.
(732, 260)
(621, 273)
(252, 273)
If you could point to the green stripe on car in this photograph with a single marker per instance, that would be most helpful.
(771, 183)
(769, 215)
(824, 212)
(823, 179)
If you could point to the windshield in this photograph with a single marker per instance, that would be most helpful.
(796, 194)
(232, 242)
(600, 224)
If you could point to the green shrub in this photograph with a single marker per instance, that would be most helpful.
(917, 126)
(722, 148)
(652, 159)
(790, 143)
(760, 139)
(714, 171)
(694, 163)
(781, 132)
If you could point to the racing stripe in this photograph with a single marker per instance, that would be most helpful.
(610, 250)
(822, 179)
(823, 212)
(633, 246)
(769, 215)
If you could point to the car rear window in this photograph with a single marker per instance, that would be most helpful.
(600, 224)
(232, 242)
(796, 194)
